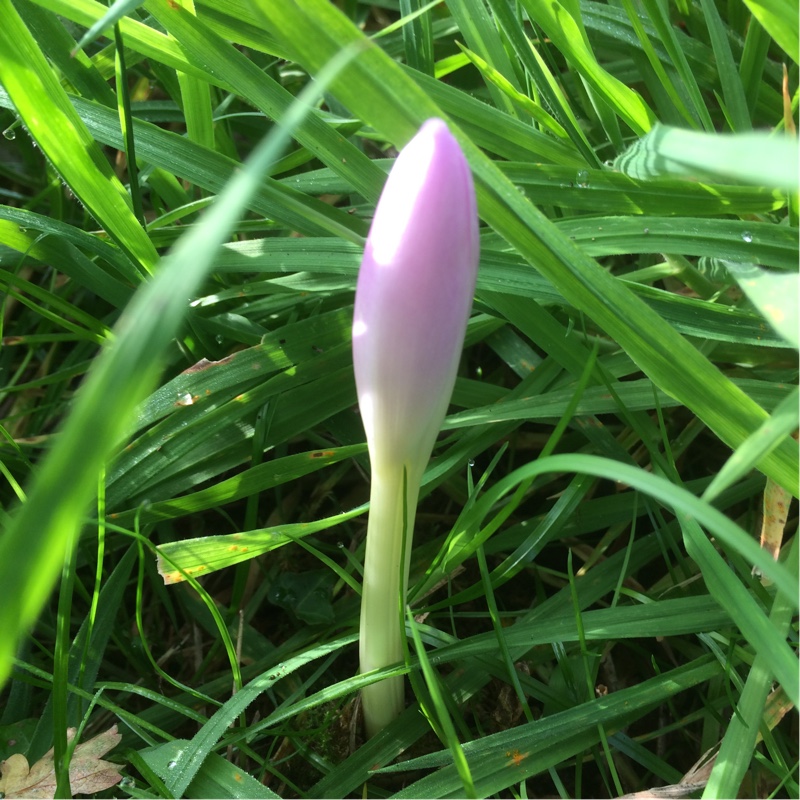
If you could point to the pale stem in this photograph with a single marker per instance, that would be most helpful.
(384, 591)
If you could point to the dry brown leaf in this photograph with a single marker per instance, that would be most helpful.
(88, 773)
(695, 779)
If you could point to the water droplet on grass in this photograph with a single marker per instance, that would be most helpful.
(582, 178)
(747, 237)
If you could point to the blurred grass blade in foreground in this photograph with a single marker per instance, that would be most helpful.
(33, 546)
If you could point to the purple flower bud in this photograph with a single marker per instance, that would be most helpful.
(414, 297)
(413, 302)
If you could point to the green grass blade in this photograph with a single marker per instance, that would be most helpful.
(482, 38)
(440, 708)
(779, 18)
(546, 85)
(417, 35)
(656, 65)
(668, 37)
(567, 35)
(210, 553)
(503, 759)
(740, 739)
(193, 756)
(55, 126)
(732, 87)
(782, 423)
(217, 777)
(753, 62)
(115, 13)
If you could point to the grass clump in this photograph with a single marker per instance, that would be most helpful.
(603, 582)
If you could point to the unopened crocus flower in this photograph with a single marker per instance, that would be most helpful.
(413, 301)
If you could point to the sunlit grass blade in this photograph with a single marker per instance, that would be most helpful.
(567, 35)
(52, 122)
(780, 21)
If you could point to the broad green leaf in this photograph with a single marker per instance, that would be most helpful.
(775, 294)
(210, 553)
(758, 158)
(217, 777)
(307, 595)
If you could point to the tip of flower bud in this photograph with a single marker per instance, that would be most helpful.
(413, 171)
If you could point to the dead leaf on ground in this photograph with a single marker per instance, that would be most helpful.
(88, 773)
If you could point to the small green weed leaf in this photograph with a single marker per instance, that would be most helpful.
(306, 594)
(15, 738)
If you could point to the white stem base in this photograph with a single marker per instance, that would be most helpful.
(384, 591)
